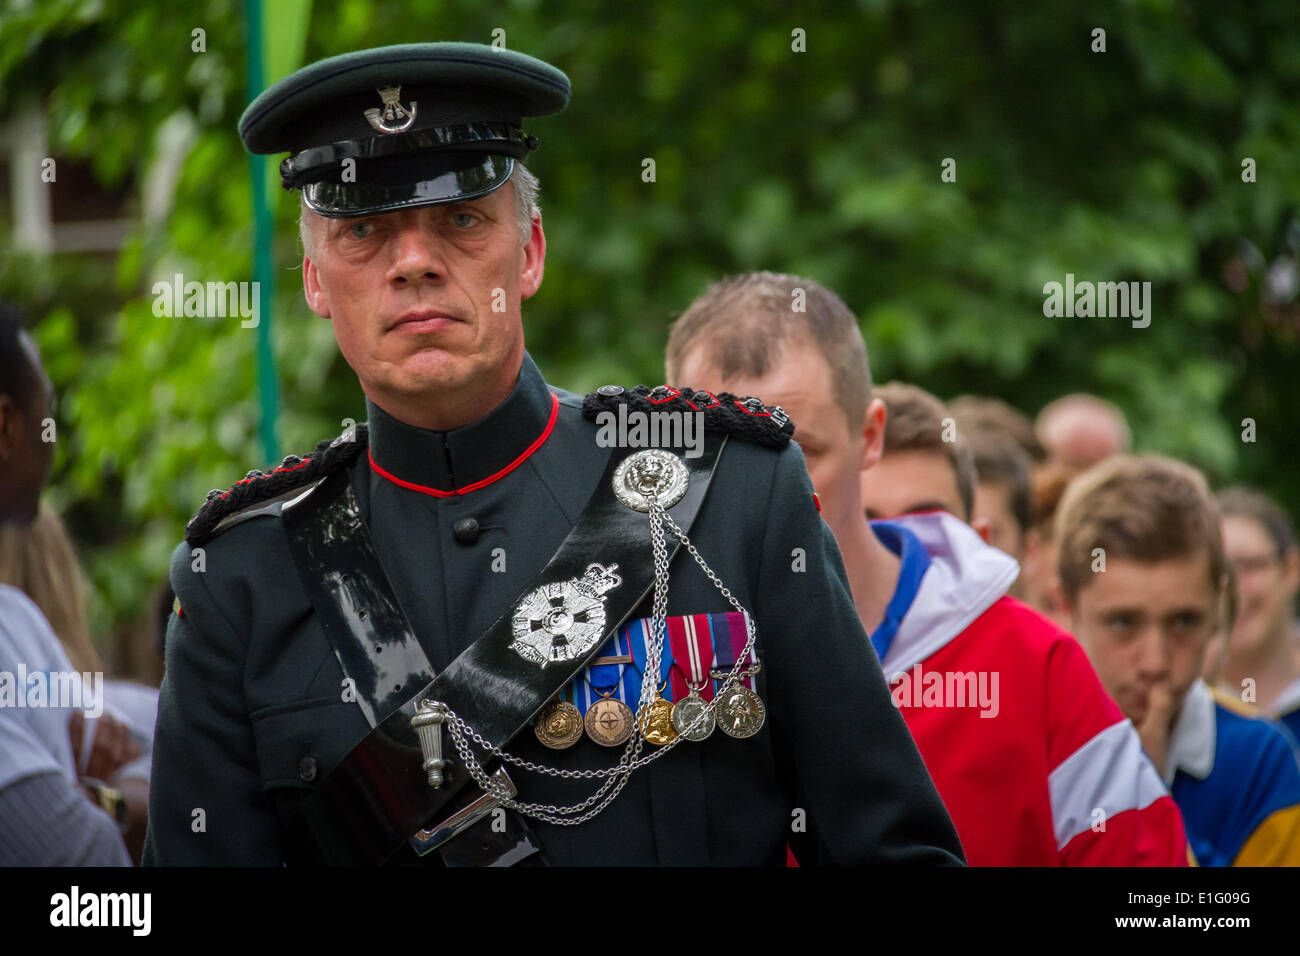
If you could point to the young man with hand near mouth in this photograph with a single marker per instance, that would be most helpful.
(1142, 570)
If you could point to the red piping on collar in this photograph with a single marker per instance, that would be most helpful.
(475, 486)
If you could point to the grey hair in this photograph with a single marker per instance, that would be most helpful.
(526, 189)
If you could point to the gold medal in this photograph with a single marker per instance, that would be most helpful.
(609, 722)
(559, 725)
(657, 725)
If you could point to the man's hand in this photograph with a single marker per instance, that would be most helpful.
(1157, 725)
(111, 749)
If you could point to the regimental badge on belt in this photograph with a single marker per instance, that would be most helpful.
(560, 622)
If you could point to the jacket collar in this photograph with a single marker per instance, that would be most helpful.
(461, 460)
(963, 578)
(1192, 741)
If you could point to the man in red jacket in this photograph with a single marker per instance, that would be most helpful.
(1035, 763)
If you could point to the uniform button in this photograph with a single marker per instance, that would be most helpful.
(466, 530)
(307, 769)
(610, 390)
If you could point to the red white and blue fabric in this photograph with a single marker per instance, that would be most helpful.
(1055, 775)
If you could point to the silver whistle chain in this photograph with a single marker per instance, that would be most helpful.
(630, 760)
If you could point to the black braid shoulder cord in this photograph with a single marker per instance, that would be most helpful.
(330, 455)
(747, 418)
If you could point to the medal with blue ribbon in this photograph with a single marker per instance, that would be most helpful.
(608, 719)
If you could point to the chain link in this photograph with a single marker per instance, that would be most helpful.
(630, 760)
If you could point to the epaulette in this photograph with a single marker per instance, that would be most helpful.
(251, 493)
(746, 418)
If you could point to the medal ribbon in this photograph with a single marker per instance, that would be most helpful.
(640, 633)
(729, 642)
(692, 639)
(603, 676)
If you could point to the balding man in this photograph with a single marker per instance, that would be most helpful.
(1080, 430)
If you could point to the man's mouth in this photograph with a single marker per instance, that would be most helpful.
(1135, 703)
(422, 322)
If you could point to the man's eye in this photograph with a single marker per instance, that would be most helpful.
(463, 220)
(1120, 622)
(361, 230)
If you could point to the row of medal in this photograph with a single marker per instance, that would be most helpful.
(609, 722)
(739, 713)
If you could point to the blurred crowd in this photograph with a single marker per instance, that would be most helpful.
(1137, 629)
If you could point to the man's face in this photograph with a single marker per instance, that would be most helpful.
(1266, 585)
(24, 457)
(425, 300)
(904, 482)
(1146, 624)
(800, 383)
(993, 506)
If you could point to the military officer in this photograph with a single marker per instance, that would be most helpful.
(362, 633)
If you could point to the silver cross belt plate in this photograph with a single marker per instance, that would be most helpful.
(650, 470)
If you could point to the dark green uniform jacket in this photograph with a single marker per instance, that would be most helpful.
(252, 712)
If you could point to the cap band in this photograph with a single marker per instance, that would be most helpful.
(301, 168)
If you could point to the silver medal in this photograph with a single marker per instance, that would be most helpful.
(740, 712)
(687, 711)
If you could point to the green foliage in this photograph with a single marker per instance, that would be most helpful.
(1123, 165)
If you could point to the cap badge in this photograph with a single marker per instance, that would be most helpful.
(386, 120)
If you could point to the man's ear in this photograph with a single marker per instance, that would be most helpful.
(530, 276)
(1059, 599)
(311, 289)
(982, 528)
(873, 434)
(1291, 572)
(1033, 546)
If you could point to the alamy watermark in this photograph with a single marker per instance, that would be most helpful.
(211, 300)
(129, 910)
(921, 688)
(54, 689)
(638, 429)
(1124, 300)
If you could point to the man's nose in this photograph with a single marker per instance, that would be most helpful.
(1153, 654)
(418, 253)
